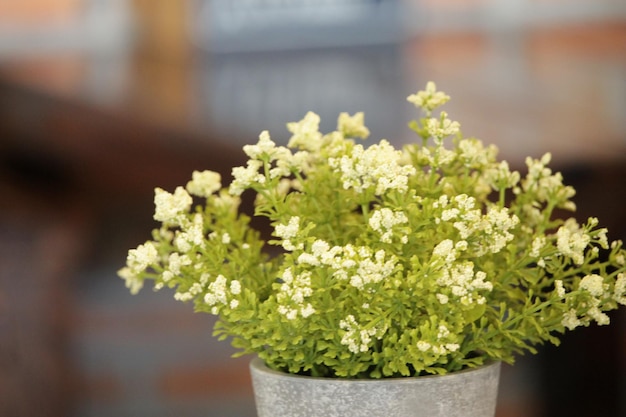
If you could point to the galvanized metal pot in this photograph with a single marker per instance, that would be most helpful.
(468, 393)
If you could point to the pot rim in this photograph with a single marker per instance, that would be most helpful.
(259, 365)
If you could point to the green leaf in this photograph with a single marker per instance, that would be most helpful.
(475, 312)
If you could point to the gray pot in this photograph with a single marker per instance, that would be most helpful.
(468, 393)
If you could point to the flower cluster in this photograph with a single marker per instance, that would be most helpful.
(382, 262)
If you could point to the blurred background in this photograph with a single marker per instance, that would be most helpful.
(102, 100)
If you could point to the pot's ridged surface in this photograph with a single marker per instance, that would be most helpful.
(470, 393)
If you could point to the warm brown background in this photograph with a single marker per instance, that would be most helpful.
(91, 122)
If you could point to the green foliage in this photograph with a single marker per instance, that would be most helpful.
(385, 262)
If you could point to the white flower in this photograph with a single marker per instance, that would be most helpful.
(593, 284)
(244, 177)
(442, 127)
(537, 168)
(287, 232)
(438, 349)
(289, 313)
(474, 154)
(443, 156)
(546, 185)
(498, 224)
(383, 221)
(191, 233)
(235, 287)
(450, 214)
(538, 243)
(169, 206)
(619, 291)
(306, 134)
(225, 199)
(443, 299)
(307, 310)
(320, 248)
(558, 287)
(217, 292)
(352, 126)
(464, 283)
(378, 167)
(430, 98)
(204, 183)
(265, 146)
(423, 346)
(374, 270)
(596, 314)
(570, 320)
(443, 332)
(307, 258)
(141, 258)
(133, 282)
(441, 202)
(181, 242)
(461, 245)
(572, 241)
(452, 347)
(285, 163)
(293, 293)
(356, 337)
(500, 177)
(183, 296)
(602, 237)
(444, 250)
(461, 209)
(176, 261)
(166, 276)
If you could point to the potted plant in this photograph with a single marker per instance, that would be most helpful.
(382, 264)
